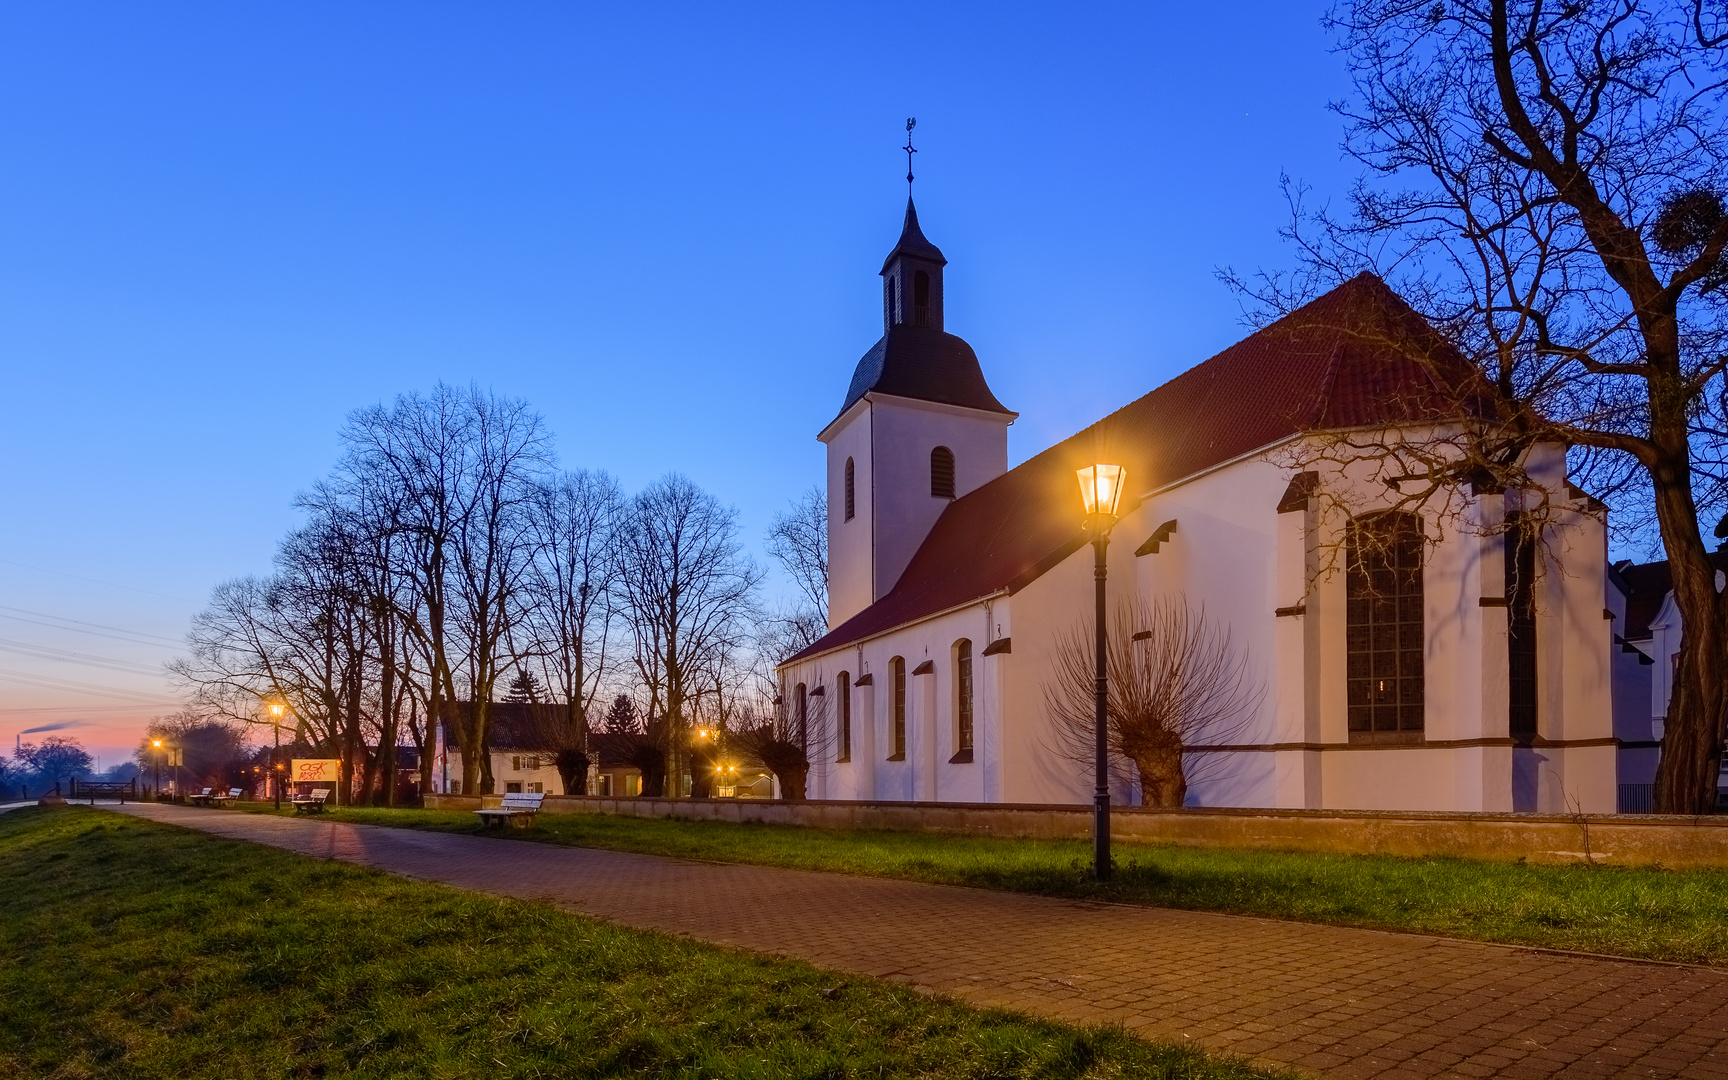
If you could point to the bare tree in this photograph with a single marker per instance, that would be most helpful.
(786, 736)
(573, 524)
(798, 540)
(1176, 682)
(1545, 181)
(459, 466)
(687, 589)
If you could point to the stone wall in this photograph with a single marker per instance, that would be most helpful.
(1616, 840)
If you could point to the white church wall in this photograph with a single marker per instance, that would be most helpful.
(903, 433)
(850, 543)
(926, 773)
(1223, 559)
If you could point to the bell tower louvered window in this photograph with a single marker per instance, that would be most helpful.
(942, 473)
(921, 297)
(851, 502)
(1385, 630)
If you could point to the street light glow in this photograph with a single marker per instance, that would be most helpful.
(1101, 488)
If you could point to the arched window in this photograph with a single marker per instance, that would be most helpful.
(843, 699)
(921, 297)
(1521, 626)
(851, 505)
(962, 700)
(1384, 636)
(897, 676)
(942, 473)
(803, 715)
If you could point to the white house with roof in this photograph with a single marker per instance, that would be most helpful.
(1465, 683)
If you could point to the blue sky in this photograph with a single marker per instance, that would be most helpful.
(223, 227)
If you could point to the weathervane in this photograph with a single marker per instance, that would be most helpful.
(911, 122)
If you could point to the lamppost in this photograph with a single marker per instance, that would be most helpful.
(1101, 488)
(276, 754)
(156, 767)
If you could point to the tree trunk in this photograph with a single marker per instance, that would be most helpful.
(573, 771)
(794, 783)
(1162, 783)
(1686, 775)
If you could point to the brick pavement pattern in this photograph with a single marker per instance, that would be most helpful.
(1338, 1002)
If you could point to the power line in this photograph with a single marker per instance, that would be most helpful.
(136, 637)
(51, 683)
(96, 581)
(63, 656)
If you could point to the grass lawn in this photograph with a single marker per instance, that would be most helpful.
(135, 950)
(1653, 914)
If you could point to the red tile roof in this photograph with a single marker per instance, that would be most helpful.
(1356, 357)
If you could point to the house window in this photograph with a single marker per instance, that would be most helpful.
(843, 695)
(851, 504)
(632, 786)
(897, 674)
(1384, 633)
(515, 764)
(537, 788)
(963, 700)
(512, 789)
(921, 297)
(604, 785)
(1520, 594)
(942, 473)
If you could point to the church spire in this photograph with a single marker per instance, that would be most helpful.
(912, 278)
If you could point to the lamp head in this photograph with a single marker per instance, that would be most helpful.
(1101, 488)
(276, 710)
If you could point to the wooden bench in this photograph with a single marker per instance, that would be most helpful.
(233, 794)
(200, 799)
(311, 804)
(517, 806)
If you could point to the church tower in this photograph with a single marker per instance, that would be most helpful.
(918, 430)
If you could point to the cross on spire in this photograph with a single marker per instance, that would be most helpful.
(911, 122)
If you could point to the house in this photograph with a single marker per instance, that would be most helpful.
(954, 579)
(523, 759)
(1646, 645)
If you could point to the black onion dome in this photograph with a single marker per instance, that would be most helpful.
(926, 364)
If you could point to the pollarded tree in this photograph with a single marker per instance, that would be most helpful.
(1545, 182)
(1177, 682)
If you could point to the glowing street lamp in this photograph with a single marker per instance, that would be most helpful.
(276, 711)
(156, 769)
(1101, 490)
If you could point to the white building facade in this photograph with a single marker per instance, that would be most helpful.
(953, 578)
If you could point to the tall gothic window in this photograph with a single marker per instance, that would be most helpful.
(963, 700)
(1384, 636)
(1521, 626)
(942, 473)
(897, 675)
(843, 699)
(803, 715)
(851, 505)
(921, 297)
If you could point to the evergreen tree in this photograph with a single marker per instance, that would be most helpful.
(524, 688)
(621, 717)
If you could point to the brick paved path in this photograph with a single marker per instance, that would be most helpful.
(1340, 1002)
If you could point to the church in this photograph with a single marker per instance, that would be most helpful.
(1461, 685)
